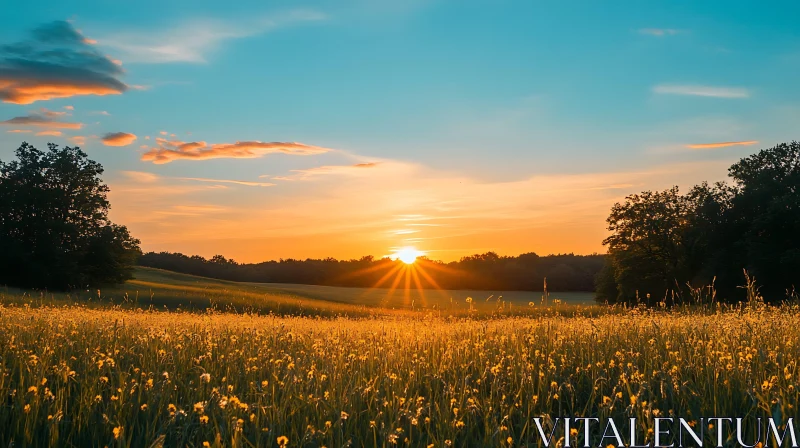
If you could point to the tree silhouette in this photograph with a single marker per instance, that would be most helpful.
(54, 226)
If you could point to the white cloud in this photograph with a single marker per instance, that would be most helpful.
(700, 90)
(193, 41)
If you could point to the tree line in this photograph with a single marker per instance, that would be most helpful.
(665, 244)
(489, 271)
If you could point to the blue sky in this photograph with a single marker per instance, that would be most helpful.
(503, 125)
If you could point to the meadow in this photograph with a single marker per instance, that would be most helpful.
(120, 375)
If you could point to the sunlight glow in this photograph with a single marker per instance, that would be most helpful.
(407, 255)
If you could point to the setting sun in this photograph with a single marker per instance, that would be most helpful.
(407, 255)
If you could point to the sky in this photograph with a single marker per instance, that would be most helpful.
(291, 129)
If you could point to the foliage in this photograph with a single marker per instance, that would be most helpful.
(74, 376)
(54, 226)
(487, 271)
(665, 244)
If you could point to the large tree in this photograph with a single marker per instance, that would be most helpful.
(664, 242)
(54, 226)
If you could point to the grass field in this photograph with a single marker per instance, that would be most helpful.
(159, 288)
(75, 375)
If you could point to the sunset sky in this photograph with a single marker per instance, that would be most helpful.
(290, 129)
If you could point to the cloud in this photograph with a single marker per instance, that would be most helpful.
(328, 169)
(721, 144)
(118, 139)
(193, 41)
(698, 90)
(18, 131)
(226, 181)
(69, 107)
(39, 120)
(100, 112)
(659, 32)
(51, 133)
(149, 178)
(169, 150)
(141, 176)
(78, 140)
(55, 62)
(51, 113)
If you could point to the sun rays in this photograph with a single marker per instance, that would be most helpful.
(406, 269)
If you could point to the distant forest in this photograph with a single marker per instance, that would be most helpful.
(489, 271)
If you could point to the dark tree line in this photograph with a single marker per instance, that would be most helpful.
(54, 226)
(488, 271)
(667, 243)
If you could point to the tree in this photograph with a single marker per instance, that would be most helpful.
(765, 230)
(54, 226)
(661, 242)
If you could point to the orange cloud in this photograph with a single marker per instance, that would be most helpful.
(39, 120)
(721, 144)
(56, 62)
(118, 139)
(169, 150)
(78, 140)
(18, 131)
(52, 133)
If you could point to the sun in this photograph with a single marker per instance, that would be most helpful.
(407, 255)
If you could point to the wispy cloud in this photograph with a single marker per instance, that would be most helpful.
(38, 120)
(18, 131)
(721, 144)
(700, 90)
(660, 32)
(145, 177)
(170, 150)
(141, 176)
(301, 174)
(227, 181)
(56, 62)
(193, 41)
(50, 133)
(118, 139)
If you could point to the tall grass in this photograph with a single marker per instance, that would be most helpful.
(79, 376)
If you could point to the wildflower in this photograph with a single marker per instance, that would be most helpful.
(345, 415)
(206, 445)
(143, 407)
(509, 440)
(199, 407)
(203, 419)
(205, 378)
(283, 441)
(117, 432)
(33, 389)
(27, 408)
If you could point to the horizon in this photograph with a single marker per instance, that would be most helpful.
(267, 131)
